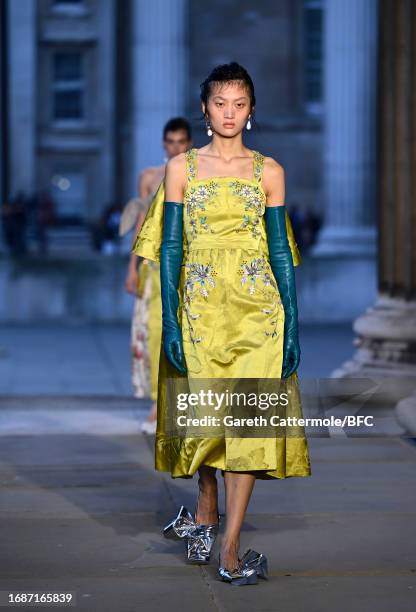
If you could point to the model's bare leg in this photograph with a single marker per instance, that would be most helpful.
(238, 489)
(207, 505)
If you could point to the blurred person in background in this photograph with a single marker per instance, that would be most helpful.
(110, 224)
(306, 225)
(310, 228)
(143, 281)
(14, 223)
(42, 212)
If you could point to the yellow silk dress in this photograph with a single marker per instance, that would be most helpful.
(231, 318)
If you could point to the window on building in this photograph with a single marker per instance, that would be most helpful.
(68, 85)
(313, 12)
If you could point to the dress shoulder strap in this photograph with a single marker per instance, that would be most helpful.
(191, 165)
(258, 165)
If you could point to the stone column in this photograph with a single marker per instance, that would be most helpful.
(350, 49)
(3, 106)
(22, 94)
(386, 332)
(159, 75)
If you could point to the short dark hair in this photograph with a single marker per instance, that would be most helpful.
(224, 73)
(175, 124)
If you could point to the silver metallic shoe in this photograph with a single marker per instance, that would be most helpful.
(199, 539)
(239, 576)
(181, 526)
(257, 561)
(199, 543)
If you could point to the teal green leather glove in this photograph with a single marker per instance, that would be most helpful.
(283, 270)
(171, 253)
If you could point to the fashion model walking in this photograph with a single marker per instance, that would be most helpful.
(143, 281)
(219, 227)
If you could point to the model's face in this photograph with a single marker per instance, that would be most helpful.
(176, 142)
(228, 108)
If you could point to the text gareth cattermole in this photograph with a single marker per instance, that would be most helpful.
(218, 400)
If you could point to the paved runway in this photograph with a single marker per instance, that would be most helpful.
(81, 508)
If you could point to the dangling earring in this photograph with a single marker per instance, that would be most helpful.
(209, 130)
(248, 124)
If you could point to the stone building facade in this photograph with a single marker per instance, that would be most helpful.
(92, 82)
(87, 86)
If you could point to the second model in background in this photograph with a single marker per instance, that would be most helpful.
(143, 278)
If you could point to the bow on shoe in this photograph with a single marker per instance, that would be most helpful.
(239, 576)
(199, 539)
(200, 542)
(182, 526)
(254, 560)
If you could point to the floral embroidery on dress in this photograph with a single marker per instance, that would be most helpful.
(199, 279)
(273, 323)
(258, 165)
(191, 163)
(253, 270)
(254, 200)
(250, 272)
(195, 200)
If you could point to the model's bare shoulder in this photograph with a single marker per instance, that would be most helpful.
(177, 162)
(176, 168)
(149, 171)
(274, 182)
(272, 170)
(175, 177)
(146, 178)
(147, 174)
